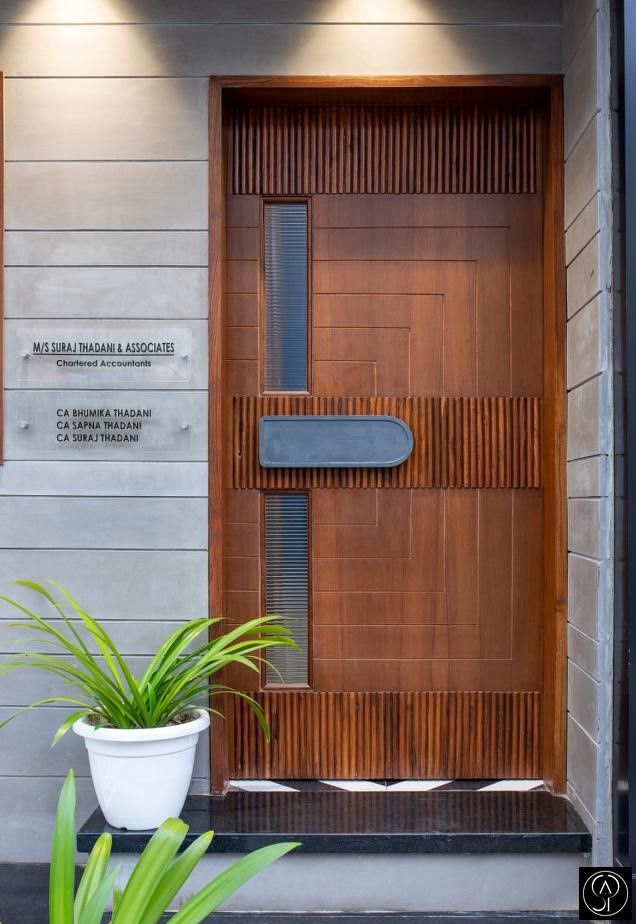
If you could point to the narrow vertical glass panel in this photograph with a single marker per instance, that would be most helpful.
(287, 582)
(285, 296)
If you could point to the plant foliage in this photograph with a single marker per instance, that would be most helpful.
(154, 882)
(177, 681)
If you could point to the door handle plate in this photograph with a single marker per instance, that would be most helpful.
(338, 441)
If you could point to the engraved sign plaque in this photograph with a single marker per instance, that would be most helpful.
(133, 354)
(125, 425)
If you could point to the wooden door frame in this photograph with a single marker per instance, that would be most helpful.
(2, 189)
(549, 88)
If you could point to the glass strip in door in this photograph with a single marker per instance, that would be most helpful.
(287, 583)
(285, 296)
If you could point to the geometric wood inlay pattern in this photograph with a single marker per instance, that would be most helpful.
(459, 442)
(389, 735)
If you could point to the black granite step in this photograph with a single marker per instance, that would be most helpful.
(373, 822)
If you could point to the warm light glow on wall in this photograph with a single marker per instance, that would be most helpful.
(75, 11)
(356, 34)
(389, 11)
(343, 11)
(79, 38)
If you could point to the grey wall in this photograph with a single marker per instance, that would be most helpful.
(396, 883)
(588, 220)
(106, 218)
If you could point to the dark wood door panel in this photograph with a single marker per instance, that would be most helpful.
(476, 334)
(403, 552)
(406, 211)
(461, 549)
(387, 643)
(405, 243)
(426, 580)
(365, 322)
(408, 674)
(380, 608)
(511, 307)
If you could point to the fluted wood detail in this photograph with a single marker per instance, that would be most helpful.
(421, 735)
(434, 148)
(460, 442)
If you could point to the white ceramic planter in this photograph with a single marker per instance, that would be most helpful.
(141, 775)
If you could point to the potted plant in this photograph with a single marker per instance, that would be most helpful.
(140, 733)
(154, 882)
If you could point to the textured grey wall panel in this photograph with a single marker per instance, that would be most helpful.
(588, 188)
(583, 228)
(103, 523)
(582, 172)
(577, 16)
(27, 746)
(106, 248)
(150, 585)
(588, 477)
(106, 292)
(105, 479)
(26, 685)
(27, 809)
(191, 50)
(399, 883)
(112, 119)
(117, 196)
(581, 88)
(132, 636)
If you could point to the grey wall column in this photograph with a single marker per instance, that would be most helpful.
(590, 357)
(629, 115)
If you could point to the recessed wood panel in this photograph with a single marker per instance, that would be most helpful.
(434, 148)
(384, 608)
(386, 642)
(418, 734)
(463, 442)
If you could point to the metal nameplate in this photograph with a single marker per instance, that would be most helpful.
(333, 441)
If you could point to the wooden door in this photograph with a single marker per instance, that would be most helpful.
(425, 302)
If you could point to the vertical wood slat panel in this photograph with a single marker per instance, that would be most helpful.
(389, 735)
(459, 442)
(433, 148)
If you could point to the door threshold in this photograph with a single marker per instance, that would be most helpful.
(388, 786)
(466, 821)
